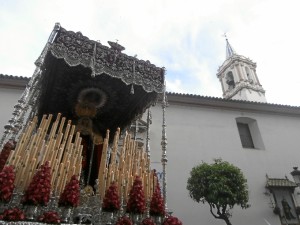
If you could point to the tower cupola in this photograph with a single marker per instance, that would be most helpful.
(239, 79)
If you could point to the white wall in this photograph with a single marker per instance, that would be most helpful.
(196, 134)
(8, 98)
(249, 95)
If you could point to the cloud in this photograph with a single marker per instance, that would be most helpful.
(175, 86)
(183, 36)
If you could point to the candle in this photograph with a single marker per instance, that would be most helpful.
(10, 157)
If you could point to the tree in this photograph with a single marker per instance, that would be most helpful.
(221, 185)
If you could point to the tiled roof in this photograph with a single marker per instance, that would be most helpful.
(280, 183)
(227, 100)
(14, 82)
(14, 77)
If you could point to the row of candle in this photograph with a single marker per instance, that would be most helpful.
(124, 163)
(59, 144)
(41, 143)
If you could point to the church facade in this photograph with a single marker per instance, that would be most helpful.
(241, 128)
(203, 128)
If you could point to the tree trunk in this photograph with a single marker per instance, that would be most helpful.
(226, 219)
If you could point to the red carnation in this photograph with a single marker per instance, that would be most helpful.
(157, 202)
(10, 145)
(38, 191)
(49, 217)
(7, 179)
(147, 221)
(70, 195)
(136, 202)
(14, 214)
(124, 221)
(172, 220)
(111, 201)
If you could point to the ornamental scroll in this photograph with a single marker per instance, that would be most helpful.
(77, 49)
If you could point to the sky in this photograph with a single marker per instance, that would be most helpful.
(186, 37)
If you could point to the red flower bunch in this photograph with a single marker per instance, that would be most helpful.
(172, 220)
(157, 203)
(124, 220)
(7, 179)
(111, 201)
(70, 195)
(14, 214)
(10, 145)
(49, 217)
(136, 202)
(147, 221)
(38, 191)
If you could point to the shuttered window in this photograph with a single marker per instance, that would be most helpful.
(245, 135)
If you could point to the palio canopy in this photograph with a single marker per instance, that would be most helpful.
(77, 69)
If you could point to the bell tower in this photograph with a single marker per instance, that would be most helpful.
(239, 79)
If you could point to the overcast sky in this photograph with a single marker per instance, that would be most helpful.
(185, 37)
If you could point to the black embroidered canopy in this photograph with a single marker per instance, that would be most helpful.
(76, 68)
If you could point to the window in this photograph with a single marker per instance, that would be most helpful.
(230, 80)
(248, 75)
(245, 135)
(249, 133)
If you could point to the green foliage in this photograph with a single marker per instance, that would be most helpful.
(221, 185)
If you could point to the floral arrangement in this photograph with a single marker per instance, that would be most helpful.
(49, 217)
(147, 221)
(111, 201)
(14, 214)
(38, 191)
(7, 179)
(136, 202)
(157, 203)
(10, 145)
(70, 196)
(124, 220)
(172, 220)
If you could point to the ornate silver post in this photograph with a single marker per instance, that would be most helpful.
(93, 59)
(149, 121)
(136, 129)
(10, 127)
(34, 83)
(28, 97)
(164, 143)
(54, 33)
(133, 76)
(122, 208)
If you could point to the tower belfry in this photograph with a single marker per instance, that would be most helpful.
(239, 79)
